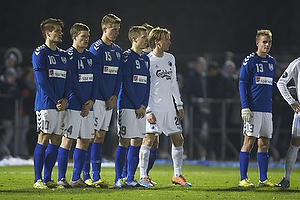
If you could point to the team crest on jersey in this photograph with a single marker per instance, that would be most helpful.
(271, 67)
(284, 75)
(170, 63)
(90, 62)
(63, 59)
(118, 55)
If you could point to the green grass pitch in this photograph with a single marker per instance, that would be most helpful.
(208, 183)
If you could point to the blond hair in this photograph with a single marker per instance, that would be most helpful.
(264, 32)
(110, 19)
(157, 34)
(135, 31)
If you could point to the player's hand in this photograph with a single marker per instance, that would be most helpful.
(151, 118)
(246, 114)
(86, 107)
(296, 107)
(140, 113)
(111, 102)
(62, 104)
(180, 114)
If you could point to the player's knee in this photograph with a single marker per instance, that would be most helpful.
(124, 142)
(148, 140)
(177, 140)
(99, 136)
(55, 139)
(43, 138)
(295, 142)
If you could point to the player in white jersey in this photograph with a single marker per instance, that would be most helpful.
(256, 84)
(80, 121)
(161, 112)
(291, 72)
(50, 66)
(132, 102)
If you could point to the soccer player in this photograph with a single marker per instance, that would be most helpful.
(255, 85)
(132, 103)
(80, 121)
(50, 66)
(291, 72)
(161, 112)
(109, 57)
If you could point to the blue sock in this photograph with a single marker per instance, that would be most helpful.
(244, 162)
(79, 159)
(133, 161)
(62, 162)
(96, 160)
(87, 164)
(50, 159)
(152, 158)
(119, 161)
(39, 158)
(263, 161)
(124, 172)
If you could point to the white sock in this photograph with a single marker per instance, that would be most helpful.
(177, 157)
(144, 160)
(291, 157)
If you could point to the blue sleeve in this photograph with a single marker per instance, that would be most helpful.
(119, 77)
(243, 82)
(68, 85)
(95, 87)
(41, 80)
(127, 85)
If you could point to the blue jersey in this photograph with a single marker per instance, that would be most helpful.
(83, 73)
(256, 83)
(135, 86)
(50, 73)
(109, 58)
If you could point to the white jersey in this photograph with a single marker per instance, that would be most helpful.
(292, 71)
(163, 84)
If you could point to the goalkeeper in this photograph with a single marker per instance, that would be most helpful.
(255, 85)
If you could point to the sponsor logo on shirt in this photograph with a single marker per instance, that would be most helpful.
(57, 73)
(264, 80)
(140, 79)
(85, 77)
(110, 70)
(164, 74)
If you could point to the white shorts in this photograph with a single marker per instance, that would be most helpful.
(129, 126)
(296, 126)
(79, 127)
(166, 122)
(102, 116)
(51, 121)
(260, 125)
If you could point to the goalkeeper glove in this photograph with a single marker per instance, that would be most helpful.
(246, 114)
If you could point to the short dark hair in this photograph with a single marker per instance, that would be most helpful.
(48, 25)
(77, 27)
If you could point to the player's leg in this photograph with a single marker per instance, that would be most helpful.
(291, 157)
(244, 159)
(144, 159)
(87, 165)
(39, 158)
(133, 159)
(120, 157)
(50, 158)
(153, 153)
(79, 159)
(62, 161)
(96, 154)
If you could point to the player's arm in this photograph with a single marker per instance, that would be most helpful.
(243, 81)
(176, 94)
(41, 76)
(283, 82)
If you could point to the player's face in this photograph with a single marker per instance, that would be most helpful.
(164, 43)
(142, 40)
(112, 32)
(264, 44)
(55, 35)
(82, 39)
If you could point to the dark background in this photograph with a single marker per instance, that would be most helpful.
(198, 26)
